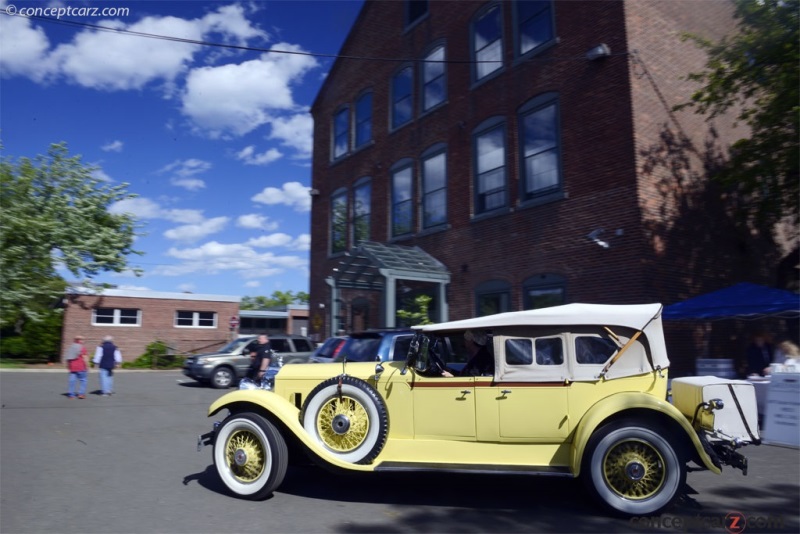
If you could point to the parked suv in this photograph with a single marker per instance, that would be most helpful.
(229, 364)
(370, 346)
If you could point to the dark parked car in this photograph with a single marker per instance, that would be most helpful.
(228, 365)
(370, 346)
(329, 348)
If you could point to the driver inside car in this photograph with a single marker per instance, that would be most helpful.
(481, 361)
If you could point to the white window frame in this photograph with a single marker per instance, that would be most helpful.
(195, 319)
(117, 317)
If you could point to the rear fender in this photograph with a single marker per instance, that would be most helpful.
(280, 409)
(615, 407)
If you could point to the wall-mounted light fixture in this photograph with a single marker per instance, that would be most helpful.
(313, 192)
(594, 236)
(600, 51)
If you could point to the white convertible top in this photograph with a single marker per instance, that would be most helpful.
(646, 353)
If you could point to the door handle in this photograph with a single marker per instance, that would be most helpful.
(465, 392)
(505, 392)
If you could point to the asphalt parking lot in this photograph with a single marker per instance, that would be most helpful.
(128, 463)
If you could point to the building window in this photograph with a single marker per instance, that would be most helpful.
(341, 132)
(116, 317)
(402, 85)
(534, 23)
(339, 221)
(540, 148)
(490, 167)
(434, 90)
(487, 43)
(493, 297)
(362, 209)
(364, 119)
(543, 291)
(415, 10)
(195, 319)
(434, 187)
(402, 192)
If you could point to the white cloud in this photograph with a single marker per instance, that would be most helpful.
(295, 132)
(24, 48)
(114, 62)
(193, 232)
(292, 194)
(111, 61)
(235, 99)
(254, 221)
(129, 287)
(231, 22)
(272, 240)
(301, 242)
(144, 208)
(249, 157)
(221, 100)
(184, 173)
(214, 258)
(190, 184)
(114, 146)
(186, 288)
(99, 174)
(185, 168)
(252, 283)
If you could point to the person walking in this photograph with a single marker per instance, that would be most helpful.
(261, 356)
(107, 357)
(75, 361)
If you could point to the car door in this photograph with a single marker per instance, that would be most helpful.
(444, 408)
(242, 359)
(527, 411)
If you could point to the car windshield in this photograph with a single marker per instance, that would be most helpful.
(360, 349)
(235, 345)
(330, 348)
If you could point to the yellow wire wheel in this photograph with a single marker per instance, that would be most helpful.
(633, 468)
(250, 455)
(343, 424)
(244, 455)
(348, 418)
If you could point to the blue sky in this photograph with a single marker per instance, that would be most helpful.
(216, 142)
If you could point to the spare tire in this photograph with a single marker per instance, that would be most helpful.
(348, 417)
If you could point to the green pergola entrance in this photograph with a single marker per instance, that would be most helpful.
(374, 266)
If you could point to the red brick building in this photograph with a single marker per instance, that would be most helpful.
(186, 322)
(507, 155)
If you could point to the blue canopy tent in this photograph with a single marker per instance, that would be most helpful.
(741, 301)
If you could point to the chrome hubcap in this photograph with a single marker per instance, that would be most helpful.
(635, 471)
(340, 424)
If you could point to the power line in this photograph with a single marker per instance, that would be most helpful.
(197, 42)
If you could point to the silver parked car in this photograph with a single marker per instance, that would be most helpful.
(228, 365)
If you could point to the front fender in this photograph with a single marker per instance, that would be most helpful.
(616, 406)
(283, 411)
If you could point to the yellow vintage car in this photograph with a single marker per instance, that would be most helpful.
(579, 390)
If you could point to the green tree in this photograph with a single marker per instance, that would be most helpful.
(416, 311)
(54, 215)
(278, 298)
(755, 72)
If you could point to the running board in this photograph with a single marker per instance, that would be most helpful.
(557, 471)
